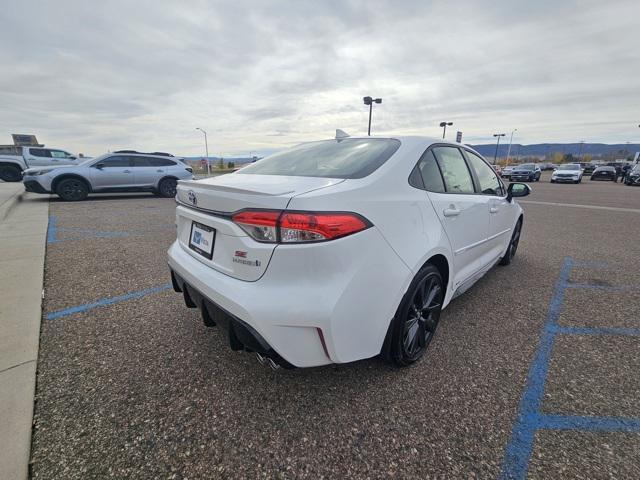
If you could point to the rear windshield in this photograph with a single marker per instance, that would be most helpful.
(344, 158)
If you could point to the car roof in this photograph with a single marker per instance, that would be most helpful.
(416, 141)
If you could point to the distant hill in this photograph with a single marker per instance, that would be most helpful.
(542, 149)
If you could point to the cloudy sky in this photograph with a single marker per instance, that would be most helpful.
(94, 76)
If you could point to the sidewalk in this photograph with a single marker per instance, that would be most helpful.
(23, 231)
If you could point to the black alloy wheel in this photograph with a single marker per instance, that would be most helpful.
(513, 244)
(72, 190)
(9, 173)
(417, 318)
(168, 188)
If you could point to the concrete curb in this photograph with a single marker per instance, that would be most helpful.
(7, 203)
(23, 233)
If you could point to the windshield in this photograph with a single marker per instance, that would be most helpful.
(636, 169)
(569, 167)
(345, 158)
(527, 166)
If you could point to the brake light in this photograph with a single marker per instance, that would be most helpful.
(298, 227)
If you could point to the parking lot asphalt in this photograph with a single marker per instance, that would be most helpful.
(533, 372)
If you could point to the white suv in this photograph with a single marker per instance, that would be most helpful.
(340, 250)
(122, 171)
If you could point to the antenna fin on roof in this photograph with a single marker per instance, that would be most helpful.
(341, 134)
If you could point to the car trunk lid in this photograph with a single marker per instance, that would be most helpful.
(209, 204)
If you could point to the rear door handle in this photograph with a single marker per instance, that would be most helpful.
(159, 171)
(126, 171)
(452, 211)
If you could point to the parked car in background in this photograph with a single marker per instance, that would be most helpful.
(323, 217)
(633, 177)
(122, 171)
(15, 160)
(588, 168)
(527, 172)
(604, 173)
(567, 173)
(506, 171)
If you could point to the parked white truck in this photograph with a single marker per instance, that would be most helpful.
(14, 160)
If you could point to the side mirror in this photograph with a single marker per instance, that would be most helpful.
(517, 190)
(99, 166)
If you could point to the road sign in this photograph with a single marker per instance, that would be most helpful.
(20, 140)
(459, 137)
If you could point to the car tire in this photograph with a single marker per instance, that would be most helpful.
(552, 181)
(167, 187)
(10, 173)
(513, 245)
(72, 189)
(416, 319)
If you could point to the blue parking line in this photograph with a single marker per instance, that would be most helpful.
(589, 424)
(632, 332)
(79, 234)
(52, 230)
(518, 450)
(530, 419)
(107, 301)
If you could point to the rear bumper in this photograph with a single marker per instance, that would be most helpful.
(316, 304)
(240, 334)
(34, 187)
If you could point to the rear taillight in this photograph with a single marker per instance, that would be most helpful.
(298, 227)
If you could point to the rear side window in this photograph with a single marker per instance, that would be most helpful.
(489, 183)
(457, 178)
(344, 158)
(40, 152)
(428, 174)
(160, 162)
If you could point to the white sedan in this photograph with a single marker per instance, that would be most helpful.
(340, 250)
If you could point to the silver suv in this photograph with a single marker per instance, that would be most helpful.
(122, 171)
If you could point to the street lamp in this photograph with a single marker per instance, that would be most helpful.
(444, 127)
(370, 101)
(206, 149)
(510, 141)
(498, 135)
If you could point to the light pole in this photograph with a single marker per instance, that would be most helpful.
(206, 149)
(370, 101)
(580, 151)
(495, 157)
(510, 141)
(444, 127)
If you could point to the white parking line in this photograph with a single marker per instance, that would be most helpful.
(575, 205)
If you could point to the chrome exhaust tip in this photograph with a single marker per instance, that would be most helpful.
(261, 359)
(272, 364)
